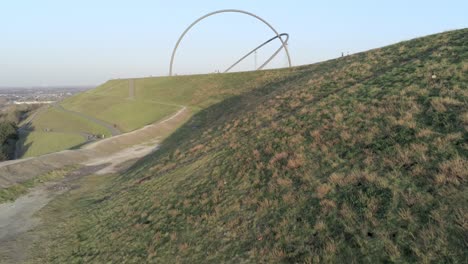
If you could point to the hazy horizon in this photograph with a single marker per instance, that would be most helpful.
(53, 43)
(50, 86)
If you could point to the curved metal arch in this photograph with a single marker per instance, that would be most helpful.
(259, 47)
(227, 11)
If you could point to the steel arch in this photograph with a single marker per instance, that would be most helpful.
(259, 47)
(227, 11)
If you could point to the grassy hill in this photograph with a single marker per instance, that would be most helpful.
(55, 130)
(362, 159)
(153, 99)
(56, 120)
(40, 143)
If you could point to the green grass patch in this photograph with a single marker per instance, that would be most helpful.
(17, 190)
(59, 121)
(40, 143)
(156, 98)
(92, 191)
(127, 114)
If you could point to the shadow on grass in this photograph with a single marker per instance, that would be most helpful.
(20, 147)
(211, 118)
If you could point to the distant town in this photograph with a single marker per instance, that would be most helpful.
(37, 95)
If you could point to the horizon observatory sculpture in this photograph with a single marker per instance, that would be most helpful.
(284, 43)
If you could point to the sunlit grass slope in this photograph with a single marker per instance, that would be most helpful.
(128, 115)
(362, 159)
(40, 143)
(156, 98)
(69, 130)
(60, 121)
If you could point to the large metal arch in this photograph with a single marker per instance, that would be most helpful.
(283, 43)
(259, 47)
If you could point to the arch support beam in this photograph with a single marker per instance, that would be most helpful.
(283, 43)
(259, 47)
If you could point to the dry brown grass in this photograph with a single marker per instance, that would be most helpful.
(323, 190)
(296, 161)
(277, 157)
(453, 171)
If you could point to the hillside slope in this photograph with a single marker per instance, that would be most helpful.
(129, 104)
(133, 103)
(359, 159)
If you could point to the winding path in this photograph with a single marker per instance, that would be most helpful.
(23, 169)
(26, 127)
(110, 155)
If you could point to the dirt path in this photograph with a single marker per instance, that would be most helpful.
(111, 155)
(112, 163)
(21, 170)
(142, 135)
(18, 217)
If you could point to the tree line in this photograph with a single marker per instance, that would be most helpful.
(10, 118)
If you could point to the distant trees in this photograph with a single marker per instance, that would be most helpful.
(17, 113)
(8, 137)
(10, 118)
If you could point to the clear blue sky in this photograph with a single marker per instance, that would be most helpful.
(52, 42)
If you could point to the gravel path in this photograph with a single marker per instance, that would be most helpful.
(18, 218)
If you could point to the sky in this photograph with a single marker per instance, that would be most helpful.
(56, 42)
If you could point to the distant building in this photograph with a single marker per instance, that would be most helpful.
(32, 102)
